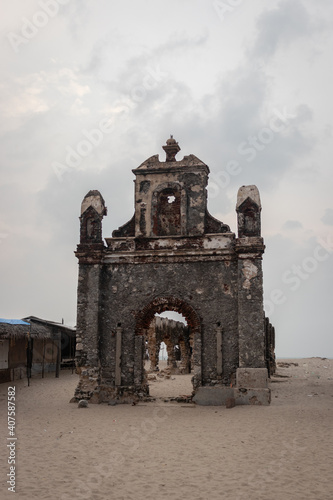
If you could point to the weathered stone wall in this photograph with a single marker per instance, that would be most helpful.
(250, 313)
(88, 314)
(209, 287)
(172, 255)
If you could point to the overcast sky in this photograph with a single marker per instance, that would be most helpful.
(90, 89)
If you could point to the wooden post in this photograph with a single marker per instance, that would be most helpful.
(58, 355)
(70, 353)
(29, 356)
(219, 364)
(43, 361)
(118, 356)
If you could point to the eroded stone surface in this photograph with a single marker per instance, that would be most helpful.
(252, 377)
(171, 255)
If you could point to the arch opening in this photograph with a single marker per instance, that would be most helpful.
(180, 373)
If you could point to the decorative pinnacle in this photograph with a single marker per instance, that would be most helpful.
(171, 149)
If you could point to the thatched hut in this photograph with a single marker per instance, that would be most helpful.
(65, 335)
(33, 346)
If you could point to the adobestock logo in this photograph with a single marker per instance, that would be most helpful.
(277, 123)
(138, 93)
(222, 8)
(30, 28)
(74, 156)
(94, 138)
(298, 273)
(250, 148)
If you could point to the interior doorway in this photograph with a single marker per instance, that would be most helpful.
(169, 349)
(190, 366)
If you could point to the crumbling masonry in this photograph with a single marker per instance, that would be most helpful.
(173, 255)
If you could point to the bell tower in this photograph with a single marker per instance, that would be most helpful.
(171, 196)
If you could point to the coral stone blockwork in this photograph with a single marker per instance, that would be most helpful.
(172, 256)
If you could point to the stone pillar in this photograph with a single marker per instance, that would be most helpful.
(171, 353)
(185, 363)
(251, 376)
(138, 360)
(219, 351)
(191, 353)
(270, 347)
(90, 254)
(153, 346)
(251, 331)
(197, 361)
(118, 356)
(250, 247)
(87, 351)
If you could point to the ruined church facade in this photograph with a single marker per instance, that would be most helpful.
(172, 255)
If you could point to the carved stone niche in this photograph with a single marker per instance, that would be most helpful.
(93, 210)
(248, 211)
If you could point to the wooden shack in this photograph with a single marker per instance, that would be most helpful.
(33, 347)
(64, 334)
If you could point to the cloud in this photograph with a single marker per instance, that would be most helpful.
(299, 272)
(280, 26)
(291, 225)
(179, 42)
(236, 131)
(328, 217)
(94, 62)
(97, 58)
(151, 65)
(40, 92)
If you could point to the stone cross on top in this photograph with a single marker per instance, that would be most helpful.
(171, 149)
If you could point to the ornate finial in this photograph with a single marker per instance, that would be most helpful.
(171, 149)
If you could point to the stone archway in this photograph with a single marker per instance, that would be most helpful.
(162, 304)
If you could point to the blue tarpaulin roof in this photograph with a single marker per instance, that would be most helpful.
(13, 321)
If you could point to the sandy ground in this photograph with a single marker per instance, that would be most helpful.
(173, 450)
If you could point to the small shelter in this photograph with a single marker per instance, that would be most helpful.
(32, 347)
(64, 334)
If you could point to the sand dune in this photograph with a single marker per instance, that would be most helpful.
(159, 450)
